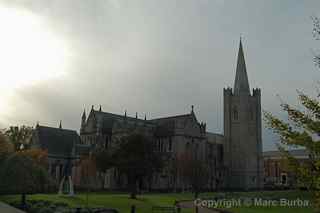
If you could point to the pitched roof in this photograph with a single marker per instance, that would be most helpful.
(58, 142)
(298, 153)
(172, 117)
(241, 83)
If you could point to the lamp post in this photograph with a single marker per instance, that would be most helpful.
(23, 196)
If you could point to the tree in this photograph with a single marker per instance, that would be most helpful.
(193, 172)
(104, 161)
(88, 173)
(135, 158)
(302, 130)
(19, 135)
(38, 155)
(19, 174)
(5, 147)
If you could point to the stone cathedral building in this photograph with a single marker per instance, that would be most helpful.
(234, 160)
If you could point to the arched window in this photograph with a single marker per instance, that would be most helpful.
(106, 142)
(235, 113)
(187, 146)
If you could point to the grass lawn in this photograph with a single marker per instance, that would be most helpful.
(118, 201)
(145, 202)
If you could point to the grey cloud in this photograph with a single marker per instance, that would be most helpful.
(160, 57)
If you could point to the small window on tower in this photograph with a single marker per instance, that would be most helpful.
(235, 113)
(106, 142)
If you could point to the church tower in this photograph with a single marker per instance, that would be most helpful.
(242, 131)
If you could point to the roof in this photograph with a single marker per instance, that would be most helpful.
(58, 142)
(214, 138)
(172, 117)
(108, 120)
(298, 153)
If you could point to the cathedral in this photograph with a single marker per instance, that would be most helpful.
(234, 160)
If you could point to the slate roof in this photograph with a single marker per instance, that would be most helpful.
(295, 153)
(172, 117)
(58, 142)
(108, 119)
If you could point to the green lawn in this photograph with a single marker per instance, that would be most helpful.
(146, 201)
(118, 201)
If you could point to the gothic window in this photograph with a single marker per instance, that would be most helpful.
(235, 113)
(170, 144)
(106, 142)
(187, 146)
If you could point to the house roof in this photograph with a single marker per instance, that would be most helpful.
(298, 153)
(57, 141)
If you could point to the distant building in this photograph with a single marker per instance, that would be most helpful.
(276, 169)
(234, 160)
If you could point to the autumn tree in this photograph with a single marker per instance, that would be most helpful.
(302, 130)
(19, 135)
(38, 155)
(20, 174)
(136, 159)
(88, 173)
(104, 161)
(5, 147)
(193, 172)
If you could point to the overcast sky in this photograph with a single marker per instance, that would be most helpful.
(146, 56)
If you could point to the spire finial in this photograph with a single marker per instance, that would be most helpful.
(100, 109)
(145, 117)
(84, 114)
(60, 125)
(192, 108)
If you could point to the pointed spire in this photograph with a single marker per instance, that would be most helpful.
(92, 107)
(192, 108)
(136, 115)
(241, 83)
(60, 125)
(125, 113)
(100, 109)
(84, 114)
(145, 117)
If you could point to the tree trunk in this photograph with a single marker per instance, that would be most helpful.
(133, 193)
(23, 201)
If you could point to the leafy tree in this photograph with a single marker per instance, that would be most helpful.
(135, 158)
(104, 161)
(302, 130)
(38, 155)
(5, 147)
(19, 174)
(193, 172)
(88, 173)
(19, 135)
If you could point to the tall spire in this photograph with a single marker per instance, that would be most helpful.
(84, 117)
(60, 125)
(241, 83)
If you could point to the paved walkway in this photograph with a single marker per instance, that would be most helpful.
(190, 204)
(5, 208)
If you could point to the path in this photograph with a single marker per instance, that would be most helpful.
(5, 208)
(190, 204)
